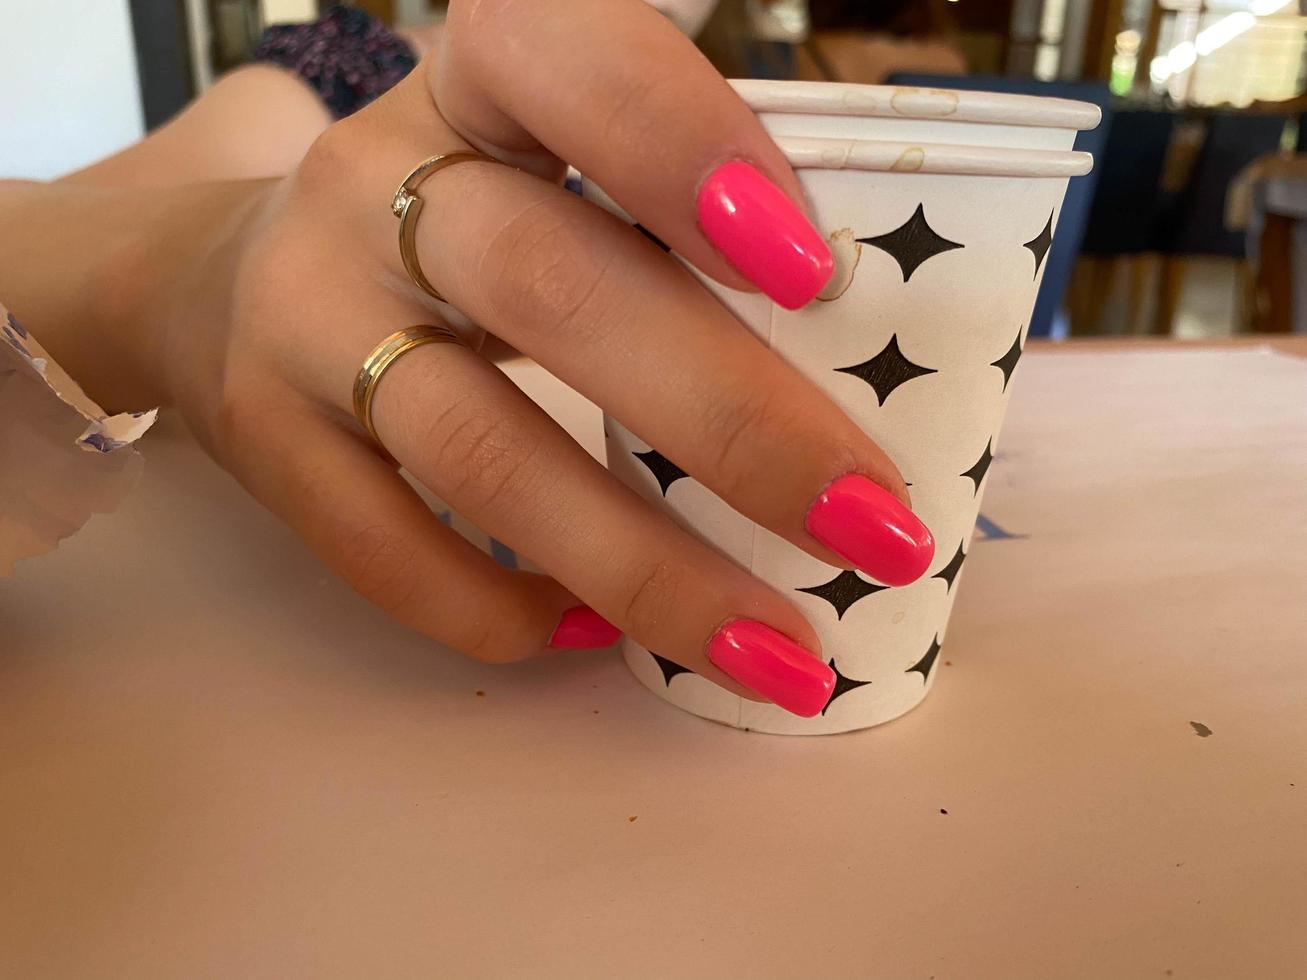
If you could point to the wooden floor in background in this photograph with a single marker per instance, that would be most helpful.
(1199, 297)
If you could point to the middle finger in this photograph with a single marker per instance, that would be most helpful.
(607, 312)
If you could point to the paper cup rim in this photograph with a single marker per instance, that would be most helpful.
(906, 102)
(899, 156)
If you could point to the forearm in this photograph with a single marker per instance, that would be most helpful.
(257, 121)
(102, 276)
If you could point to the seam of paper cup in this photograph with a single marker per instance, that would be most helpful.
(897, 156)
(907, 102)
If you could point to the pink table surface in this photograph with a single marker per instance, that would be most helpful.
(215, 761)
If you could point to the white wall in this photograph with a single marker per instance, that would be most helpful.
(68, 88)
(288, 11)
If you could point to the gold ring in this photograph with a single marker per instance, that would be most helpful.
(383, 356)
(406, 206)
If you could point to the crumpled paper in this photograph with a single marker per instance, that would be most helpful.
(62, 458)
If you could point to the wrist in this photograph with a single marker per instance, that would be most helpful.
(165, 290)
(105, 277)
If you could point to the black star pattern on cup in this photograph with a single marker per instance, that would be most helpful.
(912, 243)
(924, 665)
(669, 668)
(653, 238)
(1039, 245)
(977, 472)
(843, 590)
(843, 685)
(664, 470)
(887, 370)
(950, 571)
(1008, 362)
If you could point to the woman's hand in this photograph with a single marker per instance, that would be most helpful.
(276, 292)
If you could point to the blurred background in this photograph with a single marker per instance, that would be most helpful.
(1191, 224)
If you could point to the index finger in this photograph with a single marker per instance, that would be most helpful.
(613, 88)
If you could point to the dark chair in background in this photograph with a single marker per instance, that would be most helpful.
(1127, 212)
(1074, 216)
(1161, 196)
(1127, 208)
(1194, 223)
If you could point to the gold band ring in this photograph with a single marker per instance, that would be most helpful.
(406, 206)
(383, 356)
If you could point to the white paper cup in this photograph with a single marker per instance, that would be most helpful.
(915, 339)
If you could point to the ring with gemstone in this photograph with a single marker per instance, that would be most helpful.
(407, 206)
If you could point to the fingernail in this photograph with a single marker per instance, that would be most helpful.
(867, 525)
(772, 664)
(764, 235)
(581, 628)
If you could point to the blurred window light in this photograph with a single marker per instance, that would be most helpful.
(1223, 32)
(1047, 58)
(785, 21)
(1052, 21)
(1183, 55)
(1180, 57)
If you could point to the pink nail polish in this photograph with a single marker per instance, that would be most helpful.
(772, 664)
(581, 628)
(764, 234)
(867, 525)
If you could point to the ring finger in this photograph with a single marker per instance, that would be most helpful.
(466, 432)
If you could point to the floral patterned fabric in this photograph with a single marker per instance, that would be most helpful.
(347, 56)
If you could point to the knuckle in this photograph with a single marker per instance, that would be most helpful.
(652, 597)
(331, 162)
(636, 110)
(379, 565)
(733, 428)
(476, 14)
(542, 271)
(503, 20)
(487, 458)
